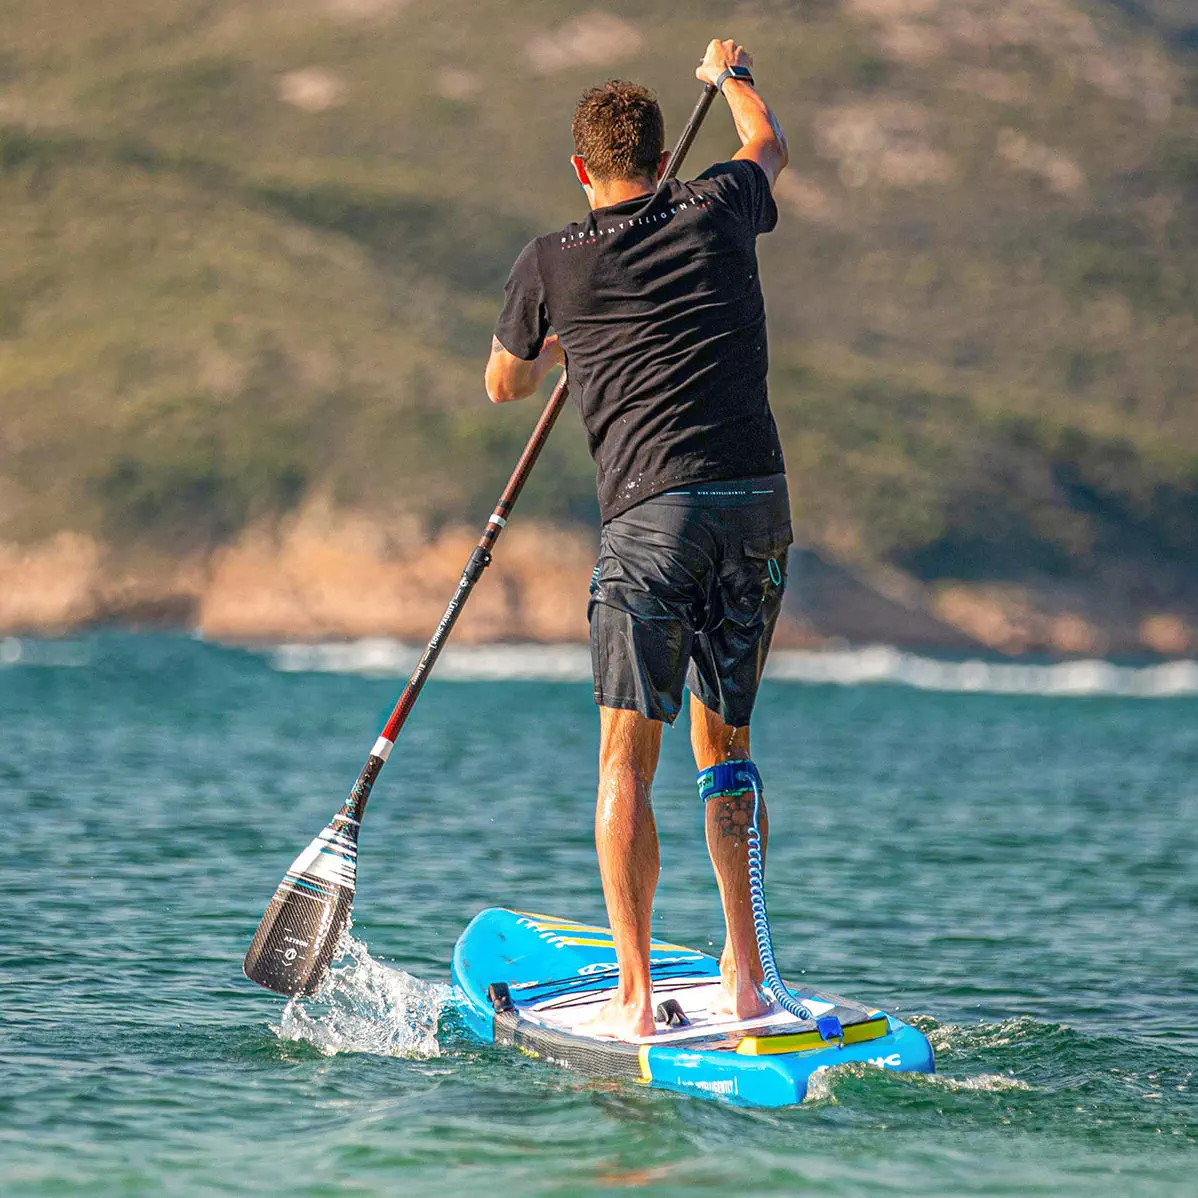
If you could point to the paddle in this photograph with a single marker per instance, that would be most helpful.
(302, 927)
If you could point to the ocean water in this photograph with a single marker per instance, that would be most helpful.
(1010, 861)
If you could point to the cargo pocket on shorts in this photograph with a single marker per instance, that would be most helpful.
(757, 594)
(769, 553)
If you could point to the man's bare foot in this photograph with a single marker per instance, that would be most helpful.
(741, 1000)
(621, 1019)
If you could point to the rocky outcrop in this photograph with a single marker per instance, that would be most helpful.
(317, 575)
(72, 580)
(50, 587)
(329, 574)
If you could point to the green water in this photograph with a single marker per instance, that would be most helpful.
(1017, 874)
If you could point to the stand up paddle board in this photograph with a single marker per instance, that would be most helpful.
(534, 981)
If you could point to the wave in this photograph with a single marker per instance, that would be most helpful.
(881, 663)
(459, 663)
(821, 1087)
(841, 667)
(948, 1041)
(366, 1006)
(972, 1037)
(27, 651)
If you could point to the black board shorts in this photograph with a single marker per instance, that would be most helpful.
(686, 591)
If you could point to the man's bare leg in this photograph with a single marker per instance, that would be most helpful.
(728, 819)
(626, 840)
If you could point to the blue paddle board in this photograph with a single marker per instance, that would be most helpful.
(533, 982)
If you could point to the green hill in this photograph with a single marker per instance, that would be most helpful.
(254, 251)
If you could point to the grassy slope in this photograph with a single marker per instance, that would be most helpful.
(212, 301)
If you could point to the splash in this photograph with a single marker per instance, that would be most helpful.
(986, 1083)
(366, 1006)
(949, 1037)
(821, 1086)
(945, 1038)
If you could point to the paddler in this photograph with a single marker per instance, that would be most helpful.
(654, 303)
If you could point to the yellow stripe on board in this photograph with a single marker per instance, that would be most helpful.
(565, 925)
(643, 1056)
(550, 920)
(551, 923)
(768, 1046)
(655, 947)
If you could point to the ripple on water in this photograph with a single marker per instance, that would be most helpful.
(1018, 869)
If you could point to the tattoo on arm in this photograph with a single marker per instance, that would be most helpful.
(496, 345)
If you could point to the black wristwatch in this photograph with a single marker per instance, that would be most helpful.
(741, 73)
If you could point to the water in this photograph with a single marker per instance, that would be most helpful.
(1017, 873)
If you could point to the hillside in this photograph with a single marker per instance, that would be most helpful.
(253, 253)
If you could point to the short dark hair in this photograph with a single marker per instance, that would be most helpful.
(619, 131)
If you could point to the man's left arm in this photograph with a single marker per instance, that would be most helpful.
(761, 138)
(509, 377)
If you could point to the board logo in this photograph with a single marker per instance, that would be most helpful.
(725, 1087)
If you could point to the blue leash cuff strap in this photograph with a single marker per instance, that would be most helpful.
(729, 778)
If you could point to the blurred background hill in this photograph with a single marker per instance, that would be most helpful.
(252, 253)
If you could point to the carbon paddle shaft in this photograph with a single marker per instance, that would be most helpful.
(298, 935)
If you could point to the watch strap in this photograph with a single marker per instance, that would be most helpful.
(741, 73)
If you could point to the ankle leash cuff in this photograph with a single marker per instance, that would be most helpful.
(729, 778)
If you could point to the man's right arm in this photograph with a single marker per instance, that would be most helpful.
(762, 139)
(524, 325)
(508, 377)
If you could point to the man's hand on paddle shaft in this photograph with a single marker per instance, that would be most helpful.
(509, 377)
(761, 137)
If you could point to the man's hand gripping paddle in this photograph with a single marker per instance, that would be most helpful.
(299, 934)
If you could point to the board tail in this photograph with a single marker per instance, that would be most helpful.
(302, 927)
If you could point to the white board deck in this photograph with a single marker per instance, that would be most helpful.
(571, 1013)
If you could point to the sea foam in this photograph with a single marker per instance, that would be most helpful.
(35, 652)
(842, 667)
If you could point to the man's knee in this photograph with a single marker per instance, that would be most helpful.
(712, 740)
(628, 739)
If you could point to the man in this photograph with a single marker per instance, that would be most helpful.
(656, 306)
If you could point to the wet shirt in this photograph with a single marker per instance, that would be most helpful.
(658, 305)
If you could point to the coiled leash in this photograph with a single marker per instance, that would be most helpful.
(726, 780)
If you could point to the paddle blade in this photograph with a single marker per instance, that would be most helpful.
(299, 934)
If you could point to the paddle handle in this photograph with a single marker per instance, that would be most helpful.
(350, 815)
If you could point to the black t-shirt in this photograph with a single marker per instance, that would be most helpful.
(658, 305)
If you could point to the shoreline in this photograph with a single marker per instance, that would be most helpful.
(324, 575)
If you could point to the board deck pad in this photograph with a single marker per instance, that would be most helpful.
(695, 997)
(558, 972)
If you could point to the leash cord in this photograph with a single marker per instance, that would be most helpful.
(761, 924)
